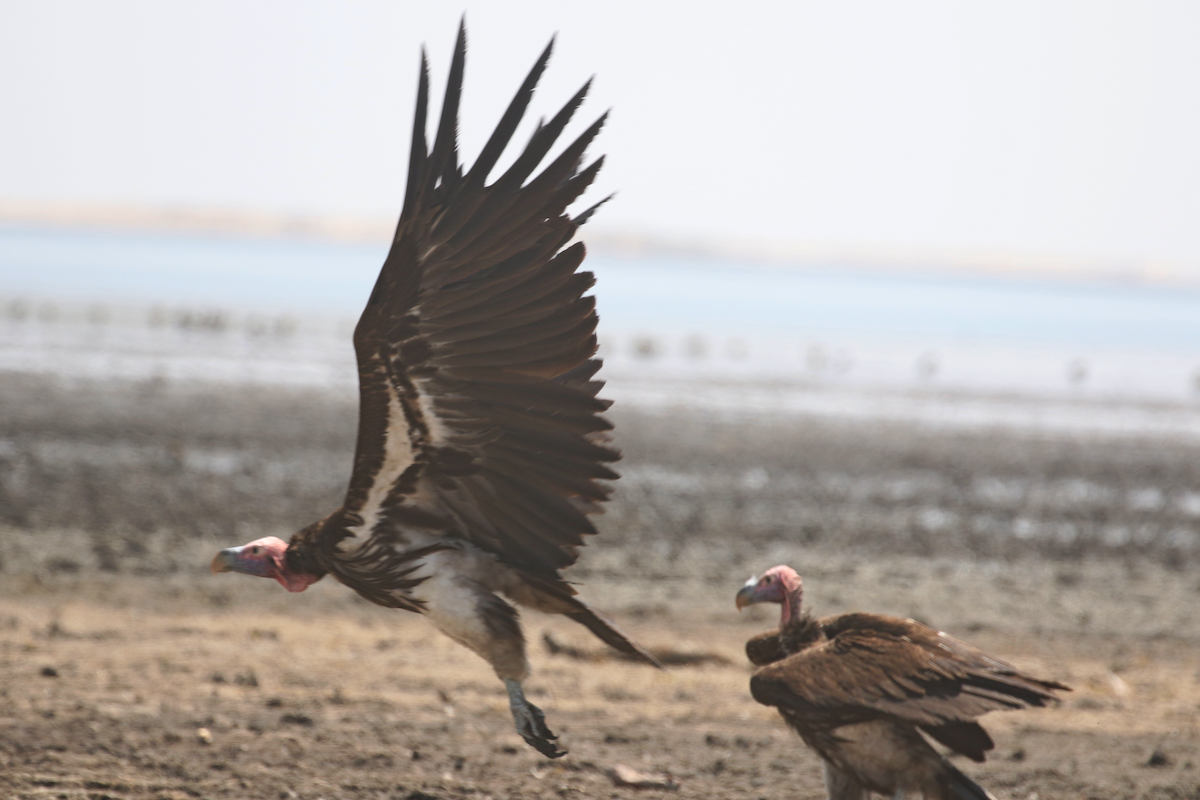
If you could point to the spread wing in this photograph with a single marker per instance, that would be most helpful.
(479, 418)
(875, 666)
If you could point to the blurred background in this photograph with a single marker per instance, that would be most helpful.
(906, 295)
(918, 275)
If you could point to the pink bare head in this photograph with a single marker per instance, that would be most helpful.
(264, 558)
(781, 585)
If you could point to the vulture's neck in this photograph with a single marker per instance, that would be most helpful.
(800, 633)
(793, 596)
(301, 556)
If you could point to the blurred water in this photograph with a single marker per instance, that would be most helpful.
(335, 279)
(883, 303)
(87, 266)
(933, 348)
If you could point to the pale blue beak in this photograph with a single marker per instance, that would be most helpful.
(230, 560)
(745, 595)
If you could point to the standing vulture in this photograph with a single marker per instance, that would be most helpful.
(481, 446)
(859, 687)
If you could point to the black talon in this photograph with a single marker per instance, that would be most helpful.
(541, 738)
(531, 722)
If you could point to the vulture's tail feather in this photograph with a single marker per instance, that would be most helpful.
(611, 635)
(957, 786)
(967, 738)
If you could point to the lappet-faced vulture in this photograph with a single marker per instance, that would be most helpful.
(481, 446)
(861, 688)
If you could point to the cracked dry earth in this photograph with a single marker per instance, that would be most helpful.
(191, 686)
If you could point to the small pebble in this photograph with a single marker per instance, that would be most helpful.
(628, 777)
(204, 736)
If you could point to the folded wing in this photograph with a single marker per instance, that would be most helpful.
(873, 666)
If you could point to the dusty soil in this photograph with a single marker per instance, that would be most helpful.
(1074, 558)
(108, 681)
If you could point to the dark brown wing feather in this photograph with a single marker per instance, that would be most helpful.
(800, 634)
(479, 418)
(967, 738)
(873, 666)
(765, 648)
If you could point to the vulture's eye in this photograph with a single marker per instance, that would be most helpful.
(256, 550)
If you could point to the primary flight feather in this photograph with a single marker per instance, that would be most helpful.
(481, 446)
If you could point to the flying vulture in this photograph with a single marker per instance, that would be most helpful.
(858, 688)
(481, 446)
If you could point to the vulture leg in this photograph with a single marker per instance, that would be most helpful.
(530, 722)
(840, 786)
(459, 601)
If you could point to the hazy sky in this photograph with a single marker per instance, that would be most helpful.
(1041, 127)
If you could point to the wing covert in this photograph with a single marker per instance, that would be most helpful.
(910, 672)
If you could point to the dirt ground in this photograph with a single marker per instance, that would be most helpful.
(224, 686)
(127, 671)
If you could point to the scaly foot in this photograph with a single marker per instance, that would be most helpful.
(531, 722)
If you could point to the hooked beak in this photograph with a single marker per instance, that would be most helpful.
(226, 560)
(745, 595)
(236, 559)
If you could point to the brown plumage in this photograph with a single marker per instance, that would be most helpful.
(481, 446)
(858, 688)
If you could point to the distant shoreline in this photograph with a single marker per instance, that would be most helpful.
(203, 221)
